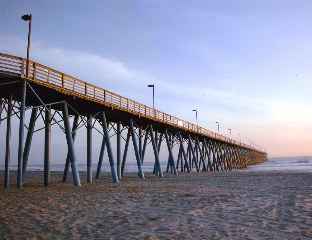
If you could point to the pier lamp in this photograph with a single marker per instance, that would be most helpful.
(195, 110)
(218, 126)
(28, 17)
(153, 86)
(230, 131)
(240, 140)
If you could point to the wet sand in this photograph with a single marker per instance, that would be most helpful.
(228, 205)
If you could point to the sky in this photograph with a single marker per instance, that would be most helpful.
(245, 64)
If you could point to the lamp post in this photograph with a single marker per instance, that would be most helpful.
(153, 86)
(27, 17)
(196, 115)
(230, 131)
(218, 126)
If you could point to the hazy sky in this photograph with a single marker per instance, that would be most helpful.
(246, 64)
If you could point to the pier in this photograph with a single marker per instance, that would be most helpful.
(70, 104)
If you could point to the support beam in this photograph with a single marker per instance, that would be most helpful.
(189, 157)
(118, 135)
(70, 144)
(158, 141)
(125, 152)
(140, 141)
(21, 136)
(67, 164)
(214, 157)
(157, 163)
(180, 158)
(183, 154)
(8, 144)
(218, 158)
(171, 158)
(136, 149)
(201, 153)
(144, 146)
(89, 148)
(109, 148)
(229, 157)
(208, 154)
(1, 108)
(99, 167)
(168, 164)
(47, 146)
(29, 136)
(193, 155)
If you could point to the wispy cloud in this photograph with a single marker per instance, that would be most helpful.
(73, 61)
(95, 68)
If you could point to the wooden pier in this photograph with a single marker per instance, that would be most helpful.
(71, 103)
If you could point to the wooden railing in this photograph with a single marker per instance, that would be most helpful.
(51, 78)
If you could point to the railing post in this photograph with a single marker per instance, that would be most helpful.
(62, 79)
(23, 68)
(47, 76)
(34, 71)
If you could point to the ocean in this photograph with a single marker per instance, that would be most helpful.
(301, 164)
(272, 164)
(129, 167)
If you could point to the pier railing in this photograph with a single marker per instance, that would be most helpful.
(64, 83)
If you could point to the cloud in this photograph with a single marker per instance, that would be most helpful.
(98, 69)
(87, 66)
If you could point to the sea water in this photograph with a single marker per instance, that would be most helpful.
(272, 164)
(302, 164)
(129, 167)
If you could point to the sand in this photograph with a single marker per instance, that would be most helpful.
(227, 205)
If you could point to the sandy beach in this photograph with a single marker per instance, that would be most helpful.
(228, 205)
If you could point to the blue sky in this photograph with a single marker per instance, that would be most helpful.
(245, 64)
